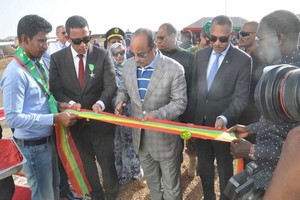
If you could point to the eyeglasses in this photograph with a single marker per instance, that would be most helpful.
(245, 34)
(140, 55)
(116, 53)
(63, 33)
(258, 39)
(84, 40)
(160, 37)
(222, 39)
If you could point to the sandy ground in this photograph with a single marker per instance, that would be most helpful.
(192, 188)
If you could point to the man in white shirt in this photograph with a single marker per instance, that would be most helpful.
(56, 46)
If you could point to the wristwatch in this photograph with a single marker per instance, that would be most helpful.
(251, 153)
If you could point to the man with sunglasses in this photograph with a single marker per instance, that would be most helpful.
(247, 37)
(62, 42)
(218, 101)
(83, 76)
(156, 88)
(53, 47)
(247, 42)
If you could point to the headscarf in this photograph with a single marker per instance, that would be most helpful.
(206, 29)
(118, 67)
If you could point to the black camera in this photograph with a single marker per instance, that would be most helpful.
(277, 94)
(250, 184)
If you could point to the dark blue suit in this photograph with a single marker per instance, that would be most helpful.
(228, 96)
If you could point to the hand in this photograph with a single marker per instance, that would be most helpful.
(146, 116)
(97, 108)
(119, 108)
(240, 131)
(220, 124)
(65, 118)
(76, 106)
(62, 106)
(240, 148)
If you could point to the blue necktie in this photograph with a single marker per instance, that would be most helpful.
(213, 71)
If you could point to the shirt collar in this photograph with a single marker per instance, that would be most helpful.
(223, 53)
(74, 53)
(154, 61)
(61, 44)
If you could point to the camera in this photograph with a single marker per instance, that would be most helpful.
(277, 94)
(277, 97)
(250, 184)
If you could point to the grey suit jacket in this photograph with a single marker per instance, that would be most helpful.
(229, 92)
(165, 99)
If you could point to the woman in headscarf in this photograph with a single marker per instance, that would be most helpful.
(126, 160)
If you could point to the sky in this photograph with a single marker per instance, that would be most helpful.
(132, 14)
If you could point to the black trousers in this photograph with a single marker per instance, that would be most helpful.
(208, 150)
(7, 188)
(95, 144)
(7, 185)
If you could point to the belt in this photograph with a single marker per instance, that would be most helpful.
(24, 142)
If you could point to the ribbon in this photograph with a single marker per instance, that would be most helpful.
(39, 75)
(71, 157)
(2, 114)
(71, 161)
(203, 132)
(178, 128)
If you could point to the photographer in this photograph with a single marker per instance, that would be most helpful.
(277, 37)
(285, 182)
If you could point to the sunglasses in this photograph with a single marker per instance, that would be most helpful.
(222, 39)
(245, 34)
(140, 55)
(116, 53)
(84, 40)
(116, 41)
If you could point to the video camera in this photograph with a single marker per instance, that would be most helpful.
(277, 97)
(250, 184)
(277, 94)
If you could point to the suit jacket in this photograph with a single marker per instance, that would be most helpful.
(229, 92)
(165, 99)
(64, 82)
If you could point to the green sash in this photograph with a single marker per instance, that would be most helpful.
(40, 77)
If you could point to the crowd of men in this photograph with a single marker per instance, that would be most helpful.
(213, 87)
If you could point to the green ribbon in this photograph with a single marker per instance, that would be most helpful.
(38, 74)
(91, 67)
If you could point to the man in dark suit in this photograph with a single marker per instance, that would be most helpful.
(83, 76)
(166, 40)
(218, 101)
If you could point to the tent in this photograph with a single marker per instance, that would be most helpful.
(237, 22)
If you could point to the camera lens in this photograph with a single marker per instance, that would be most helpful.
(277, 94)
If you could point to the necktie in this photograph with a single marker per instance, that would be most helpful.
(213, 71)
(80, 71)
